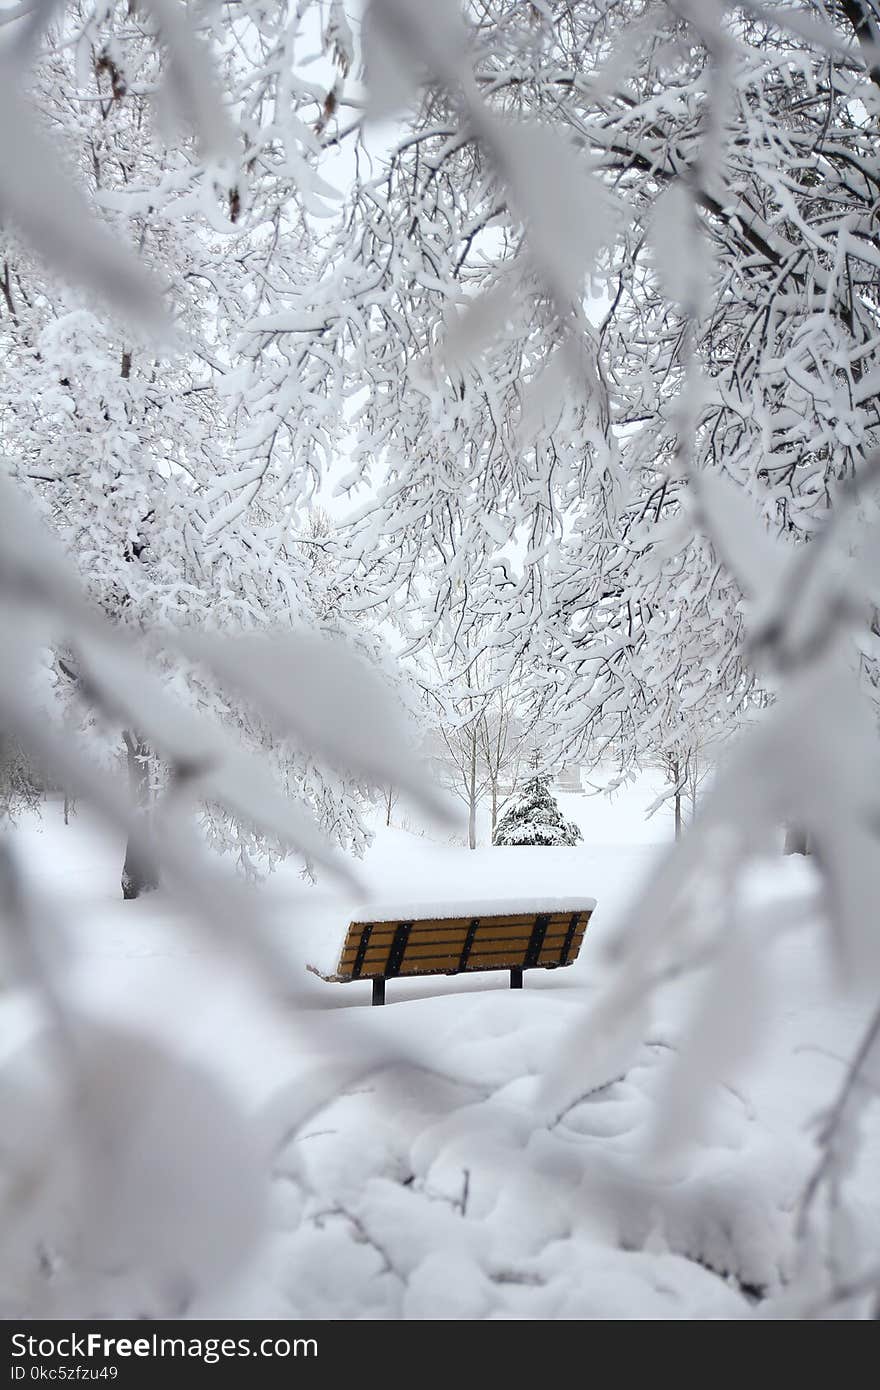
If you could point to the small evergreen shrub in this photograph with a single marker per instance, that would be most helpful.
(535, 818)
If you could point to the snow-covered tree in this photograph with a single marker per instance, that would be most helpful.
(534, 818)
(19, 790)
(144, 456)
(517, 403)
(477, 711)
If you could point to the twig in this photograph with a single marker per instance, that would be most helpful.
(835, 1117)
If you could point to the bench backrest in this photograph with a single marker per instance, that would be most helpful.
(452, 945)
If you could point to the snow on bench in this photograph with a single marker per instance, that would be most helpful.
(453, 938)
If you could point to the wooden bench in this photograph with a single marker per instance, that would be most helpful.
(439, 945)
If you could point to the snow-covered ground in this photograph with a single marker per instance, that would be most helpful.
(417, 1169)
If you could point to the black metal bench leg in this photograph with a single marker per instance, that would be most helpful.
(379, 990)
(516, 977)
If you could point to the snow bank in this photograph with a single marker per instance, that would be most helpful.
(427, 1180)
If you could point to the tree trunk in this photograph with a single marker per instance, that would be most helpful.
(796, 841)
(677, 776)
(472, 796)
(140, 872)
(494, 806)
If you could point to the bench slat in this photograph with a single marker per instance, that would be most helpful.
(507, 919)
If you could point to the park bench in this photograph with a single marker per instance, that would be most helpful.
(391, 946)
